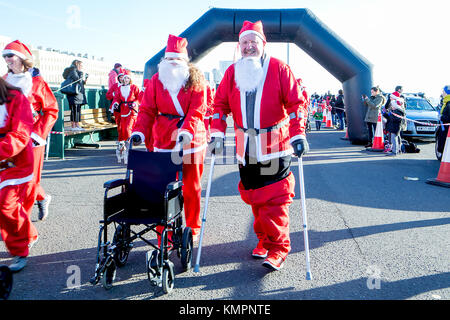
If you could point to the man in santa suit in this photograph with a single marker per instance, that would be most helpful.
(171, 113)
(44, 108)
(269, 112)
(126, 103)
(16, 173)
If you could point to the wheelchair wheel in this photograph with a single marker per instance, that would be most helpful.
(122, 246)
(187, 245)
(167, 279)
(109, 274)
(6, 281)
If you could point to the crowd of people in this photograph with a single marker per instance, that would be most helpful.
(177, 110)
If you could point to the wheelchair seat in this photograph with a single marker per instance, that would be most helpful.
(143, 200)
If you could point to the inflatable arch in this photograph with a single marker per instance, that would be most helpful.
(298, 26)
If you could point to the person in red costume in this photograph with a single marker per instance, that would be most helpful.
(44, 108)
(209, 111)
(126, 103)
(16, 173)
(269, 114)
(110, 96)
(172, 114)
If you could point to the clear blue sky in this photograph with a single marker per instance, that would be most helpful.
(406, 41)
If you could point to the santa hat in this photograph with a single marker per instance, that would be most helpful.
(19, 49)
(250, 27)
(176, 47)
(126, 74)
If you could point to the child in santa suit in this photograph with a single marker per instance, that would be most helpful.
(16, 173)
(126, 101)
(172, 114)
(44, 110)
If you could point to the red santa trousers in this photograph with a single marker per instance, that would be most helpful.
(126, 126)
(34, 188)
(192, 192)
(270, 206)
(38, 153)
(192, 189)
(17, 230)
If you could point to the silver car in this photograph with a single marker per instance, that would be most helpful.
(425, 116)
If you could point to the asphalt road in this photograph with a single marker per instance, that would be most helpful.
(372, 234)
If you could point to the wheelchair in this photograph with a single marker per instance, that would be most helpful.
(6, 282)
(150, 197)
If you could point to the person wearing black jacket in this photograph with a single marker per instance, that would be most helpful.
(340, 111)
(74, 74)
(445, 119)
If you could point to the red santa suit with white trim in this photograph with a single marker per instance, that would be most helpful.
(127, 97)
(169, 111)
(45, 113)
(269, 116)
(16, 174)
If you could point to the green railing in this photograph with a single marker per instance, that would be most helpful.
(96, 98)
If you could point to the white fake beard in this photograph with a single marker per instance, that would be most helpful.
(23, 81)
(173, 77)
(125, 91)
(248, 73)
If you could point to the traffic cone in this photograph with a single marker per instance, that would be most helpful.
(346, 135)
(329, 120)
(324, 115)
(443, 178)
(378, 140)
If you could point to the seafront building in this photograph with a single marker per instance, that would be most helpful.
(52, 62)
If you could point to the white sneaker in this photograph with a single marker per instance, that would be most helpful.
(18, 264)
(43, 207)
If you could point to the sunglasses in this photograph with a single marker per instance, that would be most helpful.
(8, 55)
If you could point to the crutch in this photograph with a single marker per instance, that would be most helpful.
(305, 223)
(208, 189)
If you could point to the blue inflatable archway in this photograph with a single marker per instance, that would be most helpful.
(298, 26)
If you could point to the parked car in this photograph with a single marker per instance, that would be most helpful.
(420, 109)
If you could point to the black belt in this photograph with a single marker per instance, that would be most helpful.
(174, 116)
(254, 131)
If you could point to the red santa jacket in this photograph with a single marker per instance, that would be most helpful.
(209, 102)
(280, 111)
(111, 91)
(128, 104)
(163, 117)
(45, 109)
(16, 154)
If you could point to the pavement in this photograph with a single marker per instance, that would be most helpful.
(372, 233)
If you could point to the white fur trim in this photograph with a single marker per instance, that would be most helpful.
(250, 32)
(185, 132)
(176, 55)
(3, 115)
(177, 104)
(140, 134)
(38, 139)
(17, 53)
(297, 137)
(218, 135)
(15, 182)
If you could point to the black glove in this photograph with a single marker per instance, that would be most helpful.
(184, 139)
(300, 146)
(135, 140)
(216, 145)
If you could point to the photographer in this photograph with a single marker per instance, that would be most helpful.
(76, 100)
(374, 104)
